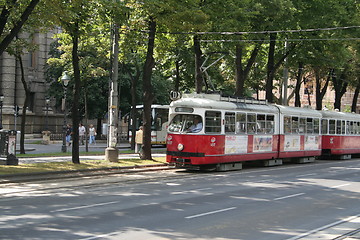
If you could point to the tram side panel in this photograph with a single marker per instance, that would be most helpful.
(297, 146)
(340, 145)
(213, 149)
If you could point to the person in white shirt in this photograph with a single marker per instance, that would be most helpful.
(197, 125)
(92, 134)
(82, 131)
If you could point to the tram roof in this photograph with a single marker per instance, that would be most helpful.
(303, 112)
(153, 106)
(340, 115)
(215, 101)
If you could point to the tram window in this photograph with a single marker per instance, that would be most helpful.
(240, 123)
(161, 118)
(309, 125)
(349, 127)
(287, 124)
(354, 128)
(324, 126)
(251, 123)
(357, 126)
(260, 124)
(316, 125)
(294, 125)
(184, 122)
(270, 124)
(230, 122)
(212, 122)
(338, 126)
(184, 109)
(343, 127)
(302, 125)
(332, 126)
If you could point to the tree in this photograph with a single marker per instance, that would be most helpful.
(73, 17)
(16, 49)
(147, 89)
(12, 19)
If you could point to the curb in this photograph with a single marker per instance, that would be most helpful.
(29, 177)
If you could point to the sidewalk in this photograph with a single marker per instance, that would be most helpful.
(56, 146)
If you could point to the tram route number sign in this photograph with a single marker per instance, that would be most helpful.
(174, 95)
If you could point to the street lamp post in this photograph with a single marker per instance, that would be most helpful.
(65, 80)
(47, 103)
(1, 110)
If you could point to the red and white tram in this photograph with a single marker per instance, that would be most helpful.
(232, 131)
(340, 134)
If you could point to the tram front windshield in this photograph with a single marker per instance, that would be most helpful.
(190, 123)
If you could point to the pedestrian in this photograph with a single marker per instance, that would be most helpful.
(197, 125)
(68, 134)
(92, 134)
(82, 131)
(139, 141)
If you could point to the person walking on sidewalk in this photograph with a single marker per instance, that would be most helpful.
(68, 134)
(139, 141)
(82, 131)
(92, 134)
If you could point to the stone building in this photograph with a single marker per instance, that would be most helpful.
(39, 115)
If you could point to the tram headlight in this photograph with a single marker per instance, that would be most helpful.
(180, 147)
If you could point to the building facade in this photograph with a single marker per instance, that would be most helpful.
(40, 114)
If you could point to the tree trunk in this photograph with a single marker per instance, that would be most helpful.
(148, 91)
(26, 103)
(177, 75)
(239, 73)
(298, 84)
(243, 73)
(340, 86)
(355, 98)
(198, 62)
(75, 106)
(270, 69)
(320, 91)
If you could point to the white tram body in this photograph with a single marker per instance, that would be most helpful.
(159, 122)
(236, 130)
(340, 133)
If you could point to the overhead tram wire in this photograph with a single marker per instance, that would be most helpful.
(282, 40)
(263, 32)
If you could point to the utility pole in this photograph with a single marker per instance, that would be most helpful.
(111, 152)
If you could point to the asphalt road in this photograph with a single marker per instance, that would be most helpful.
(309, 201)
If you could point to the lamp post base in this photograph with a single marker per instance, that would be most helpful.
(63, 148)
(112, 154)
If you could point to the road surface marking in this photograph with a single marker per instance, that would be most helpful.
(87, 206)
(290, 196)
(306, 175)
(208, 213)
(342, 185)
(324, 227)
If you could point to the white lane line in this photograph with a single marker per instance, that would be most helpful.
(289, 196)
(306, 175)
(208, 213)
(324, 227)
(101, 236)
(342, 185)
(87, 206)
